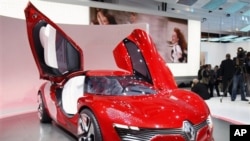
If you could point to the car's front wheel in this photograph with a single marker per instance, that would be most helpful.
(88, 128)
(42, 113)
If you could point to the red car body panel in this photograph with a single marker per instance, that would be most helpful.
(163, 78)
(161, 112)
(157, 111)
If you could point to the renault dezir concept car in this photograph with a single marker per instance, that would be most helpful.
(139, 102)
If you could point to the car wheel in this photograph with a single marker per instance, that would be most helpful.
(42, 113)
(88, 128)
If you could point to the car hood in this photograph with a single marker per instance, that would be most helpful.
(158, 110)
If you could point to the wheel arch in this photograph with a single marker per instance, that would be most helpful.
(94, 114)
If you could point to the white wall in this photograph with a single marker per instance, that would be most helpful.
(216, 52)
(59, 12)
(19, 78)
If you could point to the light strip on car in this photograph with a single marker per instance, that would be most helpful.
(126, 127)
(209, 121)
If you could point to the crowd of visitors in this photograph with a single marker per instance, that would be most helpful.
(230, 77)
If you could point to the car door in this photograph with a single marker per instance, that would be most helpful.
(138, 55)
(56, 55)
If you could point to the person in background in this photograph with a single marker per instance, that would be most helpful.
(179, 47)
(205, 75)
(226, 74)
(238, 77)
(247, 62)
(200, 89)
(217, 79)
(200, 73)
(211, 81)
(248, 74)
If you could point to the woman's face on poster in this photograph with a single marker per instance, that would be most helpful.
(175, 38)
(103, 20)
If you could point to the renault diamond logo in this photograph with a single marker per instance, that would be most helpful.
(189, 130)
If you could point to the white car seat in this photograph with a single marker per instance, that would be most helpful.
(72, 91)
(48, 38)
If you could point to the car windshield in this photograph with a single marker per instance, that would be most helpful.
(118, 85)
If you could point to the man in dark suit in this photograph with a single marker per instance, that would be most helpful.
(247, 63)
(227, 72)
(239, 75)
(200, 89)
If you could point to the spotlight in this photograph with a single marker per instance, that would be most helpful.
(228, 15)
(203, 20)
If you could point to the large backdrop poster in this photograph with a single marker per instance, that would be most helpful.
(168, 34)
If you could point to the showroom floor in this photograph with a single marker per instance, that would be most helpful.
(236, 112)
(26, 127)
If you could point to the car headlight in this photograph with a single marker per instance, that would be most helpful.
(210, 122)
(126, 127)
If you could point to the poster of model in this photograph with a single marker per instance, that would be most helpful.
(168, 34)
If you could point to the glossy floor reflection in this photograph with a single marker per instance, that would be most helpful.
(237, 112)
(27, 127)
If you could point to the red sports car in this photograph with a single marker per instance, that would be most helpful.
(139, 103)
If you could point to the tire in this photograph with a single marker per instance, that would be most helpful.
(88, 128)
(42, 112)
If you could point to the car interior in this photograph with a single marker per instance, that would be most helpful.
(63, 57)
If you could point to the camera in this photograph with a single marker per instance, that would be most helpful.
(241, 56)
(241, 53)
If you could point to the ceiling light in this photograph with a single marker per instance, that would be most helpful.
(203, 20)
(245, 29)
(247, 13)
(229, 37)
(186, 2)
(214, 39)
(235, 7)
(241, 39)
(247, 39)
(190, 9)
(214, 4)
(204, 39)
